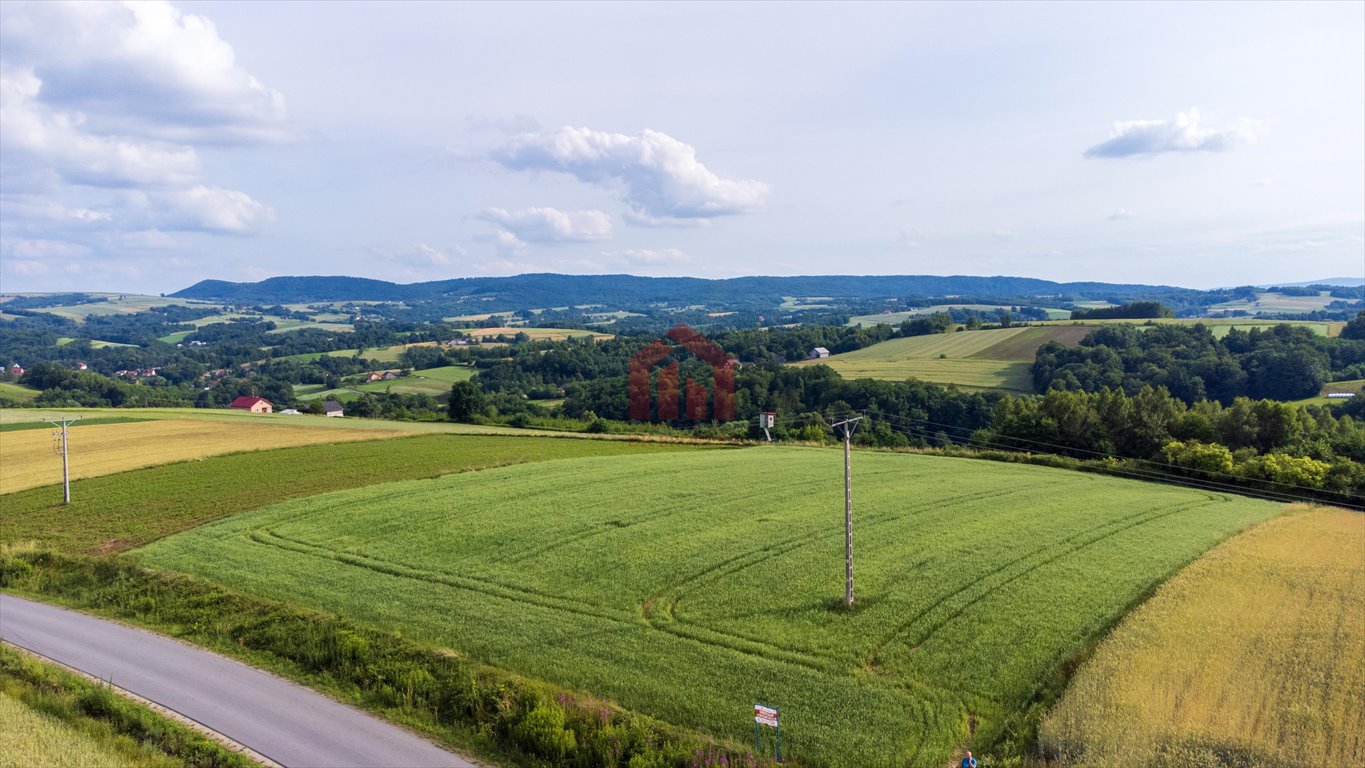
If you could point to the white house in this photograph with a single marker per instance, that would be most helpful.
(818, 353)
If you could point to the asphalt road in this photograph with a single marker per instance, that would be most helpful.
(285, 722)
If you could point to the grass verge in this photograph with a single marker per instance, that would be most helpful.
(50, 717)
(472, 707)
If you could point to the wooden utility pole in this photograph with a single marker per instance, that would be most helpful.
(848, 425)
(60, 447)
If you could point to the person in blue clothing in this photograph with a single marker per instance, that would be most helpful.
(969, 761)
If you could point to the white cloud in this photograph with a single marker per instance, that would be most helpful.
(653, 257)
(550, 225)
(1183, 133)
(1120, 214)
(141, 69)
(1004, 234)
(46, 249)
(211, 209)
(659, 178)
(103, 108)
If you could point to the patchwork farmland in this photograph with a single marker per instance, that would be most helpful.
(1273, 675)
(990, 359)
(689, 585)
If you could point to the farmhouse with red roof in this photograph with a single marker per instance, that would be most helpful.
(253, 404)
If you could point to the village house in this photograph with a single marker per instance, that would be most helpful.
(16, 370)
(818, 353)
(331, 409)
(253, 404)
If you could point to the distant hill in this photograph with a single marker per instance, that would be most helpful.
(545, 290)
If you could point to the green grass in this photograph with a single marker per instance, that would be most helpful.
(990, 359)
(17, 392)
(19, 426)
(114, 512)
(118, 304)
(896, 318)
(1219, 326)
(382, 354)
(1277, 303)
(50, 718)
(174, 338)
(688, 586)
(427, 381)
(1352, 385)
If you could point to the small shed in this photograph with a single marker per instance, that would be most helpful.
(331, 408)
(253, 404)
(818, 353)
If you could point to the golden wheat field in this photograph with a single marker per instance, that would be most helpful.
(27, 459)
(1253, 655)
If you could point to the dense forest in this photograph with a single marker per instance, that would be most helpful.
(1283, 362)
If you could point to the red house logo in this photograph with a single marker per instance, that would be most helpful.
(671, 397)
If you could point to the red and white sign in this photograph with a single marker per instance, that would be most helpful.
(765, 715)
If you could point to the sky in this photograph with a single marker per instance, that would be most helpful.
(146, 146)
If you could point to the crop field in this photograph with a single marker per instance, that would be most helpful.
(1209, 668)
(115, 512)
(27, 459)
(536, 334)
(1277, 302)
(690, 585)
(427, 381)
(118, 304)
(33, 738)
(1219, 326)
(382, 354)
(991, 359)
(896, 318)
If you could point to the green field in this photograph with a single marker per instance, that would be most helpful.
(118, 304)
(427, 381)
(17, 392)
(114, 512)
(382, 354)
(896, 318)
(1352, 385)
(690, 585)
(1272, 303)
(1219, 326)
(991, 359)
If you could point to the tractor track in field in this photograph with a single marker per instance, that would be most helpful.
(1118, 526)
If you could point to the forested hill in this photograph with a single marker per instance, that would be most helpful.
(542, 290)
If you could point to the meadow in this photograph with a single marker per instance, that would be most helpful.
(387, 354)
(1213, 671)
(896, 318)
(17, 392)
(990, 359)
(692, 584)
(427, 381)
(28, 460)
(536, 334)
(1277, 302)
(115, 512)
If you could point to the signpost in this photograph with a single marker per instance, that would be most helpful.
(767, 716)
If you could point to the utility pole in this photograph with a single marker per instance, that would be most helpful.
(59, 447)
(848, 425)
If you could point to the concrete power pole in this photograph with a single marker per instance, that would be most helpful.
(848, 425)
(60, 447)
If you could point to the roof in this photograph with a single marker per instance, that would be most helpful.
(246, 401)
(329, 406)
(821, 350)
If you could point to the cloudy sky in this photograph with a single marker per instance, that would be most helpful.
(145, 146)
